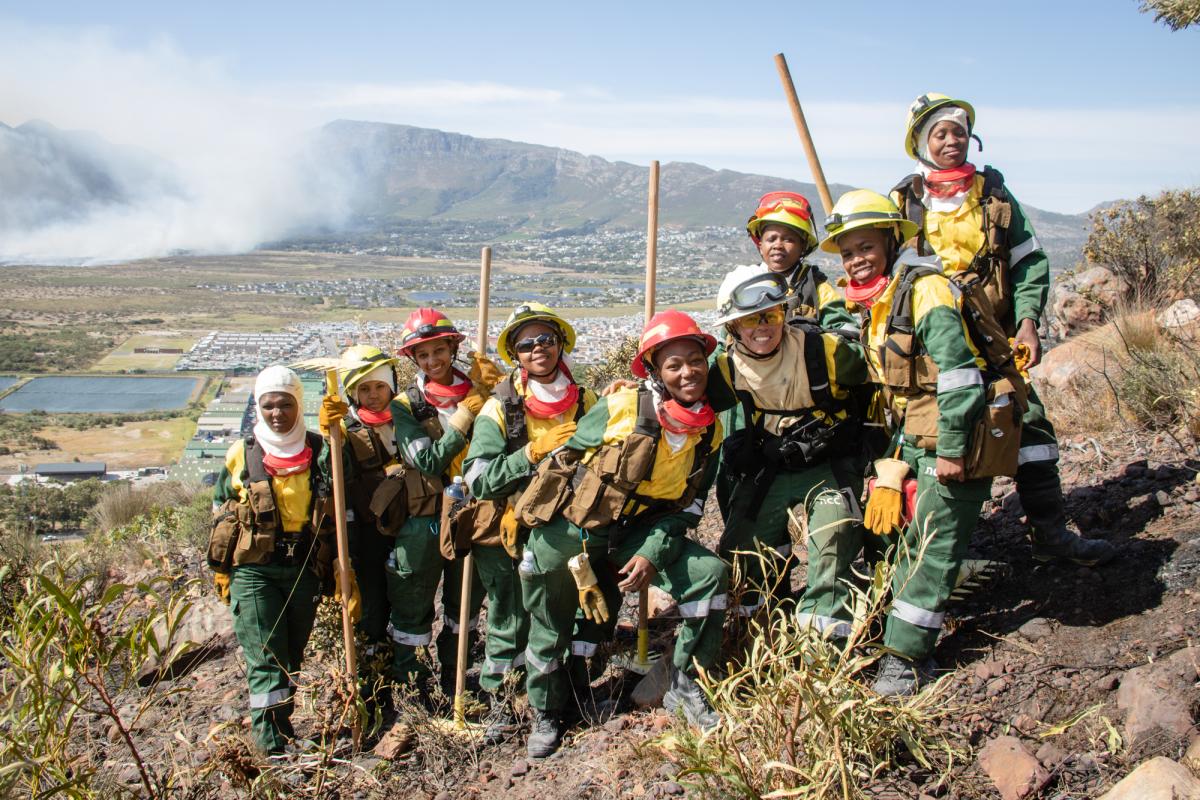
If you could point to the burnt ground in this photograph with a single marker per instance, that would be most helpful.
(1037, 648)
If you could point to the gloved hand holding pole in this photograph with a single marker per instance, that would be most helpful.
(464, 614)
(343, 542)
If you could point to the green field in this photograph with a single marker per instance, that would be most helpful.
(123, 358)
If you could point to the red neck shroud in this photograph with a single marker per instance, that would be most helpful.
(545, 409)
(375, 417)
(865, 293)
(279, 466)
(949, 182)
(678, 418)
(447, 396)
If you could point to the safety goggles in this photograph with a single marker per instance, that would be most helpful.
(788, 206)
(544, 341)
(771, 316)
(762, 290)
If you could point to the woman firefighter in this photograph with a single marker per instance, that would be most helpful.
(423, 432)
(531, 413)
(272, 548)
(621, 496)
(369, 378)
(958, 418)
(783, 232)
(973, 223)
(801, 447)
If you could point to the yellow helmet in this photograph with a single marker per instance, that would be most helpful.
(359, 361)
(921, 108)
(783, 208)
(862, 208)
(532, 312)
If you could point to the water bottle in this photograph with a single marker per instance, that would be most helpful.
(457, 494)
(527, 568)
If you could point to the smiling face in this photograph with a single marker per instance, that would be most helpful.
(279, 410)
(436, 360)
(781, 247)
(865, 253)
(542, 361)
(762, 331)
(683, 368)
(373, 395)
(947, 144)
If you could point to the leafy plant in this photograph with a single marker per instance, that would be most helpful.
(70, 651)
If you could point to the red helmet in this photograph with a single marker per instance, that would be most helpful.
(425, 325)
(666, 326)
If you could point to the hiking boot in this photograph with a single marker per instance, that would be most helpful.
(545, 734)
(1057, 543)
(899, 677)
(500, 723)
(1040, 492)
(686, 695)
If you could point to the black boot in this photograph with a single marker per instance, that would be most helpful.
(545, 735)
(500, 723)
(1041, 497)
(686, 695)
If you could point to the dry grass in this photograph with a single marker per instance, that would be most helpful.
(129, 446)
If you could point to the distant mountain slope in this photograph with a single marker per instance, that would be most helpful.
(373, 176)
(50, 176)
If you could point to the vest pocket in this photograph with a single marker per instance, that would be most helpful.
(423, 493)
(996, 436)
(897, 362)
(389, 505)
(921, 420)
(547, 491)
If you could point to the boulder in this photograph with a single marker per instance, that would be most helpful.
(1159, 778)
(650, 690)
(1157, 698)
(207, 625)
(1180, 314)
(1012, 768)
(1083, 300)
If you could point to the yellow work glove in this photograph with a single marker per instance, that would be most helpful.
(591, 599)
(885, 506)
(221, 582)
(333, 411)
(1021, 356)
(354, 604)
(510, 530)
(484, 371)
(549, 441)
(464, 416)
(474, 401)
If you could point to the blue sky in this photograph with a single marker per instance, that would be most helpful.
(1078, 102)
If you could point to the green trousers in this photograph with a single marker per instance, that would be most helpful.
(693, 576)
(273, 612)
(507, 622)
(1037, 479)
(947, 514)
(825, 605)
(369, 552)
(830, 527)
(413, 570)
(447, 640)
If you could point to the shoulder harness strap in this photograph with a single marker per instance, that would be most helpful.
(910, 190)
(516, 434)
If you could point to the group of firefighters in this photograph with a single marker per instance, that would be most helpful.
(912, 379)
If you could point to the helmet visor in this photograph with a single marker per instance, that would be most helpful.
(760, 291)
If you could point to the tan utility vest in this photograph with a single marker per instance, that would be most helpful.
(247, 533)
(989, 269)
(603, 491)
(402, 492)
(907, 371)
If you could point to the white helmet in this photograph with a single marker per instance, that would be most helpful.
(748, 289)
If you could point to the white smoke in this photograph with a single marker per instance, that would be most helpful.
(231, 167)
